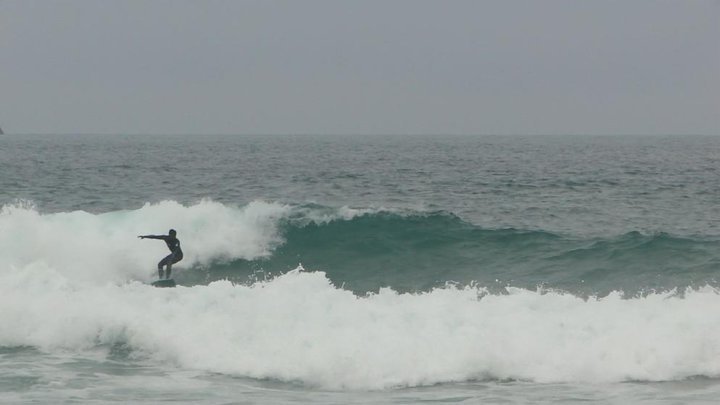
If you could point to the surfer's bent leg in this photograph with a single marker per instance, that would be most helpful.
(165, 262)
(172, 259)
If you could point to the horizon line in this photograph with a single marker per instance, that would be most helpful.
(343, 134)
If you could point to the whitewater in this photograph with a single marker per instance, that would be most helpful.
(405, 298)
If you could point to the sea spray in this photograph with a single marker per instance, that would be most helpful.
(102, 247)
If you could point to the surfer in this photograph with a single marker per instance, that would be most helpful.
(176, 254)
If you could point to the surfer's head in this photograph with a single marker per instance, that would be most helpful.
(172, 232)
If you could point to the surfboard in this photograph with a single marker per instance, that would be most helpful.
(164, 283)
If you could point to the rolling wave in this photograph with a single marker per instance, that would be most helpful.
(361, 249)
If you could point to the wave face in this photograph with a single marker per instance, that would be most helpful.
(384, 298)
(419, 251)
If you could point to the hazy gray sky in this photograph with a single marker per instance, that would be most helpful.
(360, 66)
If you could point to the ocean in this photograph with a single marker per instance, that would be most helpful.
(360, 269)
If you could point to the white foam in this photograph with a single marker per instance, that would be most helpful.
(322, 216)
(299, 327)
(99, 247)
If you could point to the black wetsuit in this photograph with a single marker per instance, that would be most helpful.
(175, 255)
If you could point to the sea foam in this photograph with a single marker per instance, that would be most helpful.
(298, 327)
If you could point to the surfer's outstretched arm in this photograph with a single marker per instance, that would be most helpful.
(161, 237)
